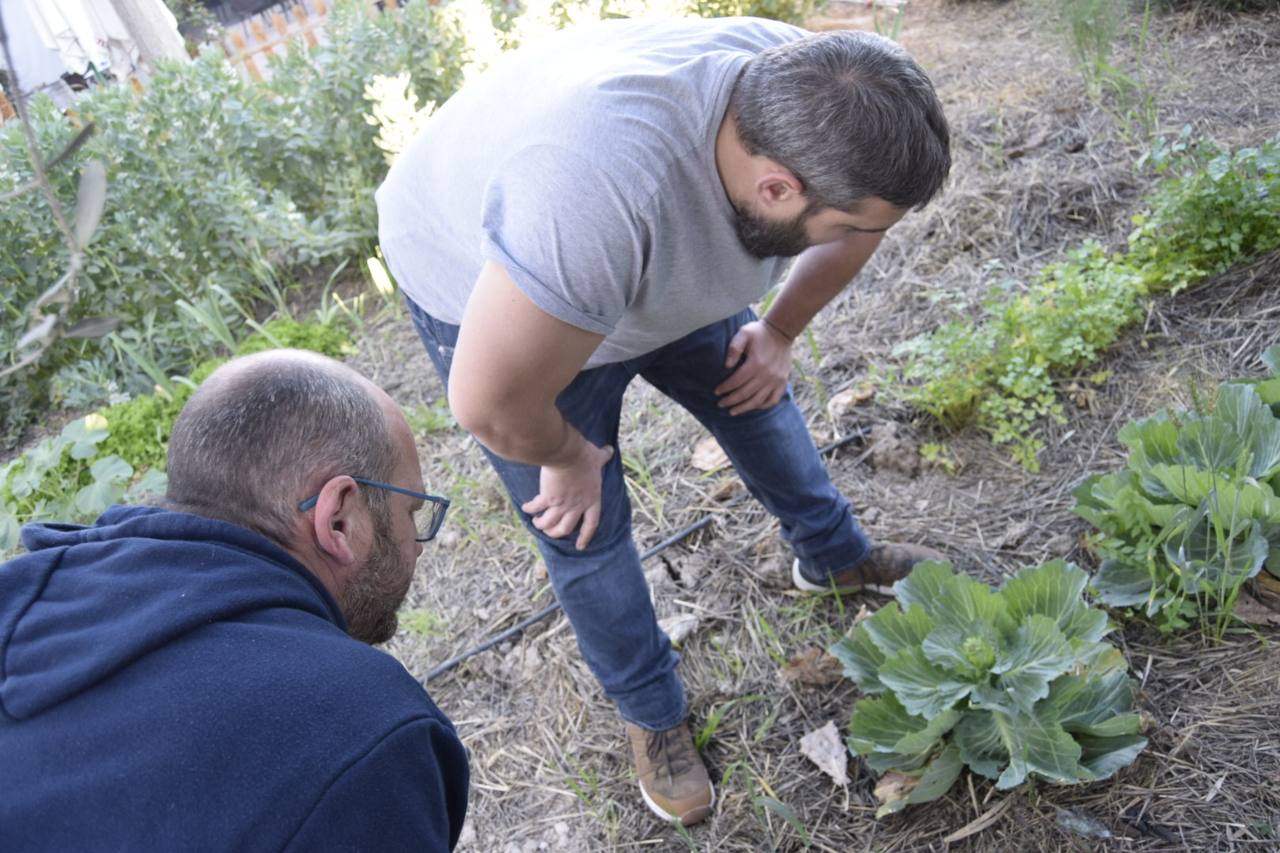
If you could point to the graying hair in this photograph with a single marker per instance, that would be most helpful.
(252, 440)
(850, 114)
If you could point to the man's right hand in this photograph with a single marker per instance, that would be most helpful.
(569, 494)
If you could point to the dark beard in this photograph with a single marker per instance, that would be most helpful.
(765, 239)
(374, 595)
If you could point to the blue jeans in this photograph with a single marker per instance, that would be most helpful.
(602, 589)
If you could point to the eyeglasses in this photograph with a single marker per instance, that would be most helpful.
(426, 520)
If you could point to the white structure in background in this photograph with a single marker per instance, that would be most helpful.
(50, 38)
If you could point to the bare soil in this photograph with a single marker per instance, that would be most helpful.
(1040, 166)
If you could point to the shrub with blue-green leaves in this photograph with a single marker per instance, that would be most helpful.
(215, 185)
(1194, 513)
(1013, 683)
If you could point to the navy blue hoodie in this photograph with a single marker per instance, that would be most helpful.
(171, 682)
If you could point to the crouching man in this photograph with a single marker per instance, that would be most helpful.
(197, 676)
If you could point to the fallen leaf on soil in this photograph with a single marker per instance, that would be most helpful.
(824, 748)
(728, 488)
(678, 628)
(812, 668)
(841, 403)
(708, 455)
(1080, 823)
(1013, 535)
(895, 787)
(1255, 612)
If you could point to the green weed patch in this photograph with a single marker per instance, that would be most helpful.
(1214, 210)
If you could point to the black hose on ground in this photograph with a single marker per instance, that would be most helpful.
(857, 435)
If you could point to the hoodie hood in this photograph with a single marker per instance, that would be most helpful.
(87, 601)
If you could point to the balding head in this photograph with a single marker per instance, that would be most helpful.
(263, 431)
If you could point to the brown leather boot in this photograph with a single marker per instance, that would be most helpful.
(887, 564)
(673, 779)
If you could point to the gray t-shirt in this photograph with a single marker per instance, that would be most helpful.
(585, 165)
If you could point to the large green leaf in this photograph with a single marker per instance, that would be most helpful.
(966, 653)
(980, 744)
(893, 630)
(1055, 590)
(1038, 654)
(1151, 441)
(1090, 703)
(1240, 407)
(85, 434)
(953, 599)
(922, 688)
(924, 740)
(938, 777)
(878, 724)
(1206, 553)
(860, 658)
(1271, 358)
(1037, 746)
(1121, 583)
(1229, 497)
(1103, 756)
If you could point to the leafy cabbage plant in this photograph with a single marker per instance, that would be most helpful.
(1194, 513)
(1013, 683)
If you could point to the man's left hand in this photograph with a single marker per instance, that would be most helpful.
(763, 359)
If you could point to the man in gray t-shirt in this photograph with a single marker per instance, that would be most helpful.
(609, 204)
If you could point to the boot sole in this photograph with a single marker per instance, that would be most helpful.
(803, 583)
(689, 818)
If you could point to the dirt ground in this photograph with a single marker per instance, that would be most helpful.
(1039, 166)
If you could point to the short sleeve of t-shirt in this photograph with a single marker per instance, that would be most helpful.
(567, 235)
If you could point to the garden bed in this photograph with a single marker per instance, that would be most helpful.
(1040, 166)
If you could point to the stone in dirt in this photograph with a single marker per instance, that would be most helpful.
(680, 627)
(893, 450)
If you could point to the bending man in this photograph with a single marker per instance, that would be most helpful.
(606, 205)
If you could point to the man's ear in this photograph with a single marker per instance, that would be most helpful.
(779, 188)
(334, 519)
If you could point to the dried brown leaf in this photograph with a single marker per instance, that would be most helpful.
(824, 748)
(812, 667)
(708, 455)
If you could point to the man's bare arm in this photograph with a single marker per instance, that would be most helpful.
(511, 362)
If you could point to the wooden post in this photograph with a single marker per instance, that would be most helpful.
(6, 109)
(282, 26)
(260, 36)
(242, 56)
(304, 26)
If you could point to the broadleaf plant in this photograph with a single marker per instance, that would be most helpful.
(1013, 683)
(1194, 513)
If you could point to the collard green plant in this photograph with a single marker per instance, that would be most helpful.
(1194, 512)
(1013, 683)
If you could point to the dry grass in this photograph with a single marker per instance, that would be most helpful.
(1039, 167)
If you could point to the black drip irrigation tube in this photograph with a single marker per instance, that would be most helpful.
(857, 435)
